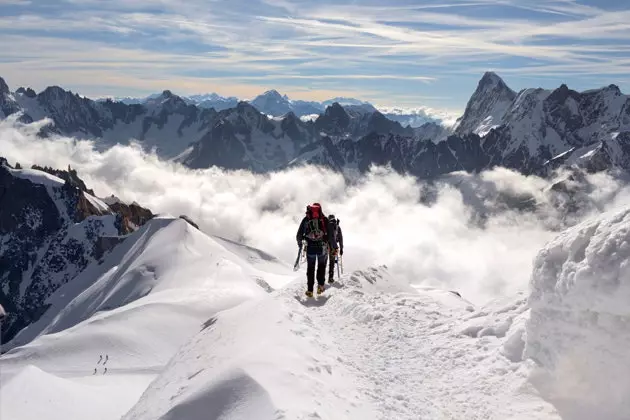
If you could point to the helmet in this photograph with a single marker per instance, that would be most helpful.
(331, 216)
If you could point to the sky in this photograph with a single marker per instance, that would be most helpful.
(394, 53)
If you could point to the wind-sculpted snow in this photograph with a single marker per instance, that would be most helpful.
(579, 331)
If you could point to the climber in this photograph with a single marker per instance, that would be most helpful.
(337, 249)
(315, 230)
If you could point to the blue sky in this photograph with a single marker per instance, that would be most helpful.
(395, 52)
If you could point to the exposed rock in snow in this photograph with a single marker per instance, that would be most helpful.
(50, 230)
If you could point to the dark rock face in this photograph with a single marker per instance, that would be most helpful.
(49, 233)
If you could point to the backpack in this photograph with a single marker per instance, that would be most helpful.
(316, 223)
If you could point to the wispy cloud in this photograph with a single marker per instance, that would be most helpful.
(390, 51)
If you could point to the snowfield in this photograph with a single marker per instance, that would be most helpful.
(191, 326)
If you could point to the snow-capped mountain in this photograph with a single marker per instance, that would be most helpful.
(356, 121)
(487, 106)
(165, 122)
(212, 100)
(274, 104)
(51, 228)
(243, 138)
(534, 131)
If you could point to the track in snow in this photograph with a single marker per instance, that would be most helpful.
(417, 355)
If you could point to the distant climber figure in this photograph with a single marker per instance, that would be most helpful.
(99, 359)
(94, 371)
(106, 359)
(105, 371)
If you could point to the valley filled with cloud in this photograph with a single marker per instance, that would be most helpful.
(472, 233)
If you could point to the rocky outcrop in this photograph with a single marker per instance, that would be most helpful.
(50, 231)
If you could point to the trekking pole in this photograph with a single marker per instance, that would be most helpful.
(3, 315)
(337, 261)
(296, 266)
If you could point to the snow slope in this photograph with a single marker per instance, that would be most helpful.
(197, 327)
(371, 348)
(151, 294)
(579, 331)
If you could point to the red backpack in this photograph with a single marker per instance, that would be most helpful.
(316, 223)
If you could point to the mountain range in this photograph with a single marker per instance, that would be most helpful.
(274, 104)
(533, 131)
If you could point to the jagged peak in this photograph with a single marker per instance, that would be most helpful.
(272, 93)
(55, 92)
(243, 106)
(562, 93)
(4, 88)
(491, 81)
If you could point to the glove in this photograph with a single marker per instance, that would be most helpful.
(333, 252)
(341, 252)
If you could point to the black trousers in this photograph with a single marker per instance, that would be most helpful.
(331, 268)
(311, 259)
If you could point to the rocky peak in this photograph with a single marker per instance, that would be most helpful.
(54, 92)
(490, 81)
(335, 120)
(4, 88)
(487, 105)
(28, 92)
(561, 94)
(274, 94)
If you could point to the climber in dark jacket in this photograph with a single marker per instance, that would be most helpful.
(316, 231)
(337, 249)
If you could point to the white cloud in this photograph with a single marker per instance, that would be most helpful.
(291, 41)
(468, 238)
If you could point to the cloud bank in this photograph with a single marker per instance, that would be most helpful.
(476, 234)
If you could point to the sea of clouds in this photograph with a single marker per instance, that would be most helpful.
(474, 233)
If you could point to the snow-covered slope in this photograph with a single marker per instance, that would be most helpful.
(579, 331)
(372, 348)
(198, 327)
(128, 315)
